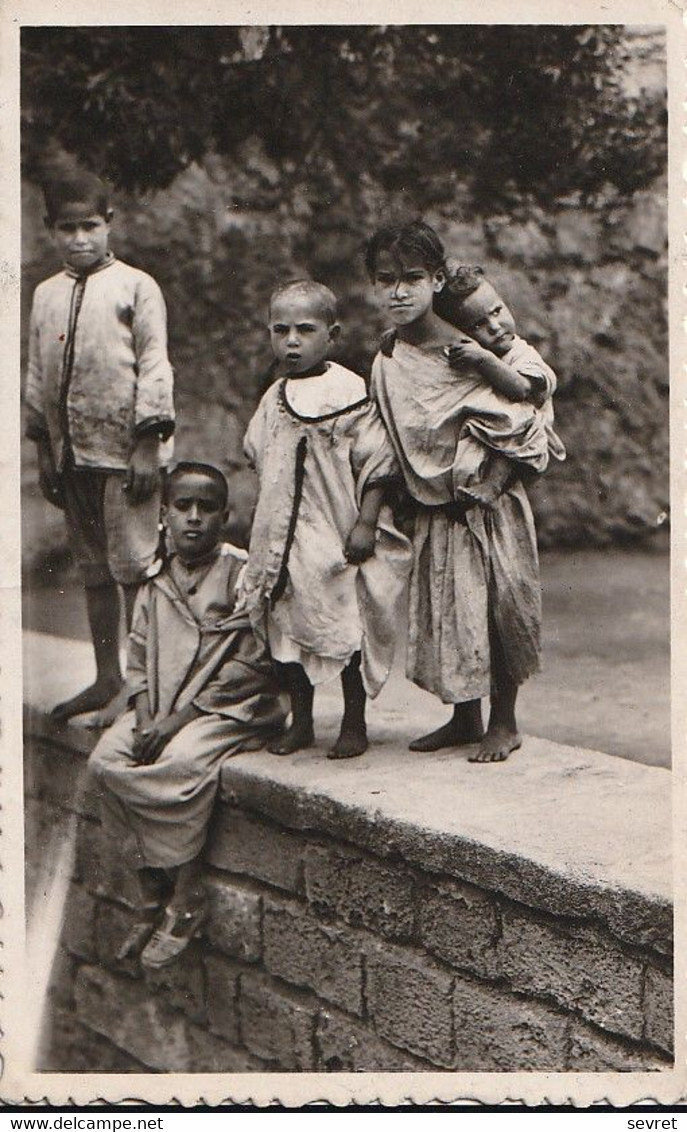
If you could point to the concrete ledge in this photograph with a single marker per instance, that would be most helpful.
(392, 912)
(571, 832)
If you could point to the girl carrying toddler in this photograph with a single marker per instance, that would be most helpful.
(463, 433)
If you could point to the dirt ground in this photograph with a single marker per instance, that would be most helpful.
(605, 680)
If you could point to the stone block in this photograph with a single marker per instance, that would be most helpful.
(114, 924)
(100, 864)
(222, 996)
(658, 1009)
(578, 967)
(79, 930)
(641, 226)
(208, 1053)
(459, 924)
(234, 918)
(577, 236)
(182, 984)
(48, 745)
(466, 242)
(133, 1019)
(349, 1047)
(495, 1030)
(643, 923)
(409, 1002)
(360, 890)
(241, 843)
(594, 1052)
(68, 1046)
(307, 953)
(41, 819)
(277, 1025)
(519, 243)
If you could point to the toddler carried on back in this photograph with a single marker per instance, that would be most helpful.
(463, 431)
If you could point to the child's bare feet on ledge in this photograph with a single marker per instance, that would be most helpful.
(352, 741)
(93, 698)
(496, 745)
(296, 738)
(110, 712)
(463, 728)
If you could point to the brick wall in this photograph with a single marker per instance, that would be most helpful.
(323, 955)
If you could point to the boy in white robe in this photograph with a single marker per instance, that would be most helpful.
(326, 566)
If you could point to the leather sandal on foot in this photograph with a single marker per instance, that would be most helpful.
(140, 932)
(173, 936)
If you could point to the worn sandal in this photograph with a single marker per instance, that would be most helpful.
(172, 937)
(140, 932)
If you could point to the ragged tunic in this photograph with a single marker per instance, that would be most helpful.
(315, 454)
(452, 421)
(469, 572)
(528, 362)
(189, 644)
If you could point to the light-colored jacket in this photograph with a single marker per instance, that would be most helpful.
(98, 375)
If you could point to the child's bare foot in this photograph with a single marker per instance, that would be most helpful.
(296, 738)
(110, 712)
(352, 741)
(496, 745)
(463, 728)
(93, 698)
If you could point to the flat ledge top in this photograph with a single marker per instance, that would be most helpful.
(570, 831)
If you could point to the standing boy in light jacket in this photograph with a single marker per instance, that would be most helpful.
(100, 409)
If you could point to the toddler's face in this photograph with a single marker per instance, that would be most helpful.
(195, 515)
(300, 336)
(404, 291)
(485, 317)
(81, 236)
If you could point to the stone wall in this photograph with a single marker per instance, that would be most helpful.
(362, 924)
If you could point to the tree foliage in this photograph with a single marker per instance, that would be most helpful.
(431, 110)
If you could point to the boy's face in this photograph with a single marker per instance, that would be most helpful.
(194, 514)
(404, 290)
(485, 316)
(300, 335)
(81, 235)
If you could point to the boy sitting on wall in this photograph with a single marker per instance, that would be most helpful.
(199, 689)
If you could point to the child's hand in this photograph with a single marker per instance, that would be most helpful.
(360, 544)
(49, 478)
(465, 353)
(539, 390)
(151, 741)
(143, 473)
